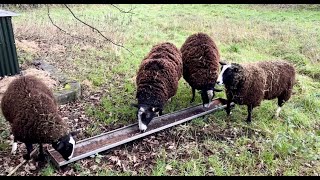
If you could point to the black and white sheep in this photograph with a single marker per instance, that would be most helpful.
(250, 83)
(29, 106)
(200, 57)
(157, 81)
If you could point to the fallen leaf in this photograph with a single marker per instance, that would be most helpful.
(168, 167)
(32, 167)
(308, 165)
(94, 167)
(114, 158)
(65, 118)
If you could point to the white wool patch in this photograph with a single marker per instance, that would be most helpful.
(14, 148)
(220, 77)
(73, 142)
(142, 126)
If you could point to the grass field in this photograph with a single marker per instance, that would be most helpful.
(243, 33)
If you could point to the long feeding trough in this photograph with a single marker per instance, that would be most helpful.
(111, 139)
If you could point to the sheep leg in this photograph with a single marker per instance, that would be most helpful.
(193, 95)
(29, 149)
(249, 113)
(228, 108)
(160, 112)
(281, 101)
(41, 156)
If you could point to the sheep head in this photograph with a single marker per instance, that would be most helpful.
(65, 145)
(231, 75)
(145, 114)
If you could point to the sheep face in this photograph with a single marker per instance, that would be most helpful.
(65, 146)
(230, 74)
(145, 115)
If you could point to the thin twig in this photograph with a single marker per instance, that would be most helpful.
(24, 161)
(93, 28)
(59, 27)
(122, 10)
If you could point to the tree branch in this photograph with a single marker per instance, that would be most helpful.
(59, 27)
(93, 28)
(122, 10)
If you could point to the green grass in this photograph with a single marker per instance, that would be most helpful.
(4, 134)
(48, 170)
(243, 33)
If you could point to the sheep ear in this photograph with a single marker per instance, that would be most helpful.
(60, 146)
(57, 145)
(222, 63)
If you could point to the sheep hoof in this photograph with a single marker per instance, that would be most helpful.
(229, 114)
(26, 157)
(274, 116)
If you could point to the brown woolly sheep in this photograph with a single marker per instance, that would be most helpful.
(157, 81)
(200, 57)
(32, 111)
(249, 84)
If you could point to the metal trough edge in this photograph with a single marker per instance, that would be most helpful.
(59, 164)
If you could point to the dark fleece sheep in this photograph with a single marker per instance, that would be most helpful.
(30, 107)
(157, 81)
(200, 57)
(249, 84)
